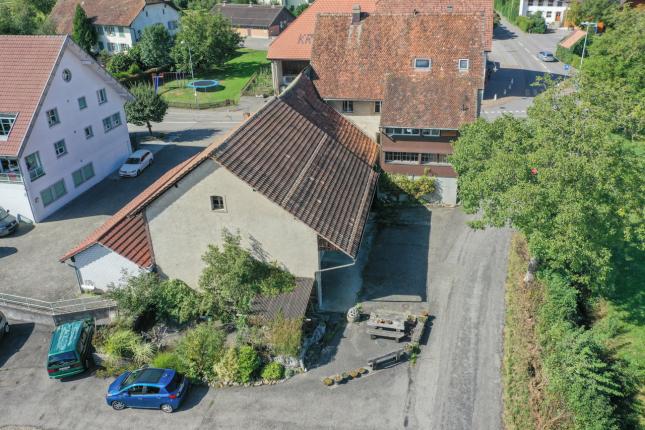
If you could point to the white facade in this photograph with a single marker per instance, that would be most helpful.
(286, 3)
(62, 150)
(103, 268)
(553, 11)
(114, 38)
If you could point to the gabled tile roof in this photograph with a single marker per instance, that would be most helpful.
(299, 153)
(26, 65)
(444, 7)
(102, 12)
(250, 15)
(291, 305)
(294, 43)
(352, 62)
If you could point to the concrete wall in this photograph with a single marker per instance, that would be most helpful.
(106, 150)
(13, 197)
(101, 267)
(182, 225)
(363, 116)
(19, 313)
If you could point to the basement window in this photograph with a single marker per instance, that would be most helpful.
(217, 203)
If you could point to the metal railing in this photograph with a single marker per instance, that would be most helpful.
(59, 307)
(11, 178)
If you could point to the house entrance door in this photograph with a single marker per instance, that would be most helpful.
(557, 16)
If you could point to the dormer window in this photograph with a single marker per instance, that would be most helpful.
(422, 63)
(464, 64)
(6, 122)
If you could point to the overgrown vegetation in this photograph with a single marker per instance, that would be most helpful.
(416, 188)
(284, 336)
(26, 17)
(533, 23)
(262, 84)
(199, 350)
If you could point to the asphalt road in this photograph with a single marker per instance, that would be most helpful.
(454, 385)
(509, 89)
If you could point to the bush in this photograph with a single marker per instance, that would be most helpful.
(273, 371)
(249, 362)
(228, 368)
(121, 343)
(533, 23)
(199, 350)
(120, 62)
(167, 360)
(402, 184)
(284, 336)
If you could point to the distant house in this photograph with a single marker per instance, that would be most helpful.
(256, 20)
(119, 23)
(553, 11)
(409, 80)
(290, 53)
(286, 3)
(295, 181)
(62, 124)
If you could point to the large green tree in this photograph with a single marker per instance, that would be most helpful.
(146, 107)
(19, 17)
(83, 32)
(154, 46)
(209, 39)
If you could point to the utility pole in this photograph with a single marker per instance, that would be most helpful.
(584, 46)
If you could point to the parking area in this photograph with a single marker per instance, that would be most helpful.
(29, 259)
(425, 257)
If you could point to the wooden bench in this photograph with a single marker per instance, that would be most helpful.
(390, 358)
(375, 332)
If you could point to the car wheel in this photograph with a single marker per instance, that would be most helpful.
(88, 363)
(117, 405)
(167, 408)
(138, 172)
(6, 329)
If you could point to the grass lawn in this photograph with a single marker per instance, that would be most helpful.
(233, 76)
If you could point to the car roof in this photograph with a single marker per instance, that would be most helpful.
(152, 376)
(138, 153)
(65, 336)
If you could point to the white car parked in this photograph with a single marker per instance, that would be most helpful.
(135, 164)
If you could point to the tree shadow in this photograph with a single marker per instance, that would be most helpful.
(507, 82)
(14, 341)
(502, 33)
(192, 135)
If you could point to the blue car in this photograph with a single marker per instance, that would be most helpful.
(148, 388)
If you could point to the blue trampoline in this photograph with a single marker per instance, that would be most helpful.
(203, 84)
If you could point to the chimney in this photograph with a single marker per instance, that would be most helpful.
(356, 14)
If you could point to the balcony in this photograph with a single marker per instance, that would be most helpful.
(11, 178)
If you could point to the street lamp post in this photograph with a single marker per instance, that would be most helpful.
(584, 46)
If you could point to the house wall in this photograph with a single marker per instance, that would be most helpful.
(119, 38)
(13, 197)
(100, 266)
(182, 225)
(106, 150)
(363, 116)
(153, 14)
(549, 9)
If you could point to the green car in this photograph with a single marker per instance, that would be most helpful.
(70, 350)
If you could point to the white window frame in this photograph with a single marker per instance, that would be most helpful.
(7, 120)
(84, 106)
(431, 132)
(52, 189)
(348, 106)
(401, 158)
(37, 170)
(52, 117)
(91, 132)
(83, 175)
(462, 69)
(218, 203)
(101, 95)
(417, 67)
(107, 124)
(60, 148)
(378, 106)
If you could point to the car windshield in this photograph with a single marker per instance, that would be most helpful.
(130, 379)
(132, 160)
(3, 213)
(174, 384)
(62, 358)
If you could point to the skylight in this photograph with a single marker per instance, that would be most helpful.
(6, 122)
(422, 63)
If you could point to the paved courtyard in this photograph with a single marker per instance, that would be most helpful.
(429, 254)
(29, 259)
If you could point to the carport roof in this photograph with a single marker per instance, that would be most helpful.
(298, 152)
(291, 305)
(250, 15)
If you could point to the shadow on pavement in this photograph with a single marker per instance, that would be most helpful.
(192, 135)
(516, 83)
(502, 33)
(195, 395)
(6, 251)
(112, 193)
(14, 341)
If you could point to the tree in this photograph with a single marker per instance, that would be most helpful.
(83, 32)
(232, 277)
(298, 10)
(146, 107)
(561, 177)
(208, 39)
(19, 17)
(155, 45)
(119, 63)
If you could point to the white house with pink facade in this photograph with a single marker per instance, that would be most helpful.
(62, 124)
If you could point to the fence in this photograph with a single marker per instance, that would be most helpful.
(60, 307)
(201, 105)
(11, 178)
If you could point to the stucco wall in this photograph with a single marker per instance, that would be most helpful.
(106, 150)
(101, 266)
(153, 14)
(363, 116)
(13, 197)
(182, 225)
(117, 38)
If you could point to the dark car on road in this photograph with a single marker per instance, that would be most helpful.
(546, 56)
(148, 388)
(8, 223)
